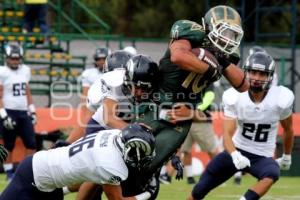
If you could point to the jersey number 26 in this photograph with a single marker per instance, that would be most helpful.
(260, 132)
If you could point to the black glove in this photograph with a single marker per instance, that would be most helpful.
(3, 154)
(60, 143)
(152, 187)
(225, 60)
(177, 164)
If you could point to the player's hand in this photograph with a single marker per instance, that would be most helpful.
(8, 123)
(180, 112)
(284, 162)
(240, 161)
(177, 164)
(33, 118)
(152, 187)
(60, 143)
(3, 154)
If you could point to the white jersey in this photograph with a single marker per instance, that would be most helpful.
(95, 158)
(109, 86)
(14, 84)
(89, 76)
(258, 123)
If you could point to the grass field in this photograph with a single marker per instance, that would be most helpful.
(287, 188)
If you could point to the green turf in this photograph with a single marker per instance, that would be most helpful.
(287, 188)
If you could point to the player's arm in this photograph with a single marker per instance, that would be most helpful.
(182, 56)
(229, 127)
(1, 97)
(236, 77)
(110, 117)
(288, 136)
(114, 192)
(85, 115)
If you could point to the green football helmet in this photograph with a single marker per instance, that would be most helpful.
(224, 26)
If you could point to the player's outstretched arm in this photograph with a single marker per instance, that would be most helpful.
(114, 192)
(182, 55)
(110, 114)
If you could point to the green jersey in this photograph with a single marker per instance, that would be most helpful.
(176, 84)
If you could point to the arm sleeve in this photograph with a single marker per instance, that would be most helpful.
(84, 79)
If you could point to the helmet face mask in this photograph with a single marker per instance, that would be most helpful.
(260, 68)
(100, 56)
(138, 146)
(224, 25)
(14, 55)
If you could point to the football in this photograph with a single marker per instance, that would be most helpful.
(205, 56)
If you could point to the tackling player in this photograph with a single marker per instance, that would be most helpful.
(17, 111)
(88, 77)
(252, 119)
(102, 158)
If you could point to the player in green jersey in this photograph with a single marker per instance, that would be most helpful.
(183, 76)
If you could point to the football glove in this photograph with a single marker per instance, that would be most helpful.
(177, 164)
(240, 161)
(152, 187)
(3, 154)
(60, 143)
(8, 123)
(284, 162)
(33, 118)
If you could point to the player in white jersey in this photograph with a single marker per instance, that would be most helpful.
(112, 76)
(252, 117)
(116, 97)
(102, 158)
(17, 111)
(88, 77)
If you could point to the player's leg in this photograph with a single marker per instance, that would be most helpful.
(267, 171)
(26, 132)
(168, 140)
(203, 134)
(9, 138)
(219, 169)
(186, 148)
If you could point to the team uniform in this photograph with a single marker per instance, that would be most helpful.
(89, 76)
(14, 84)
(177, 85)
(88, 159)
(255, 136)
(108, 86)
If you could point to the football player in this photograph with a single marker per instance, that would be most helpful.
(183, 75)
(252, 119)
(113, 76)
(117, 98)
(17, 111)
(88, 77)
(102, 158)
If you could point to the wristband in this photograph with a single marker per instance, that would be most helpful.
(143, 196)
(287, 156)
(3, 113)
(31, 108)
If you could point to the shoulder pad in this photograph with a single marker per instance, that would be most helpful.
(286, 97)
(189, 30)
(230, 96)
(94, 94)
(86, 72)
(114, 78)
